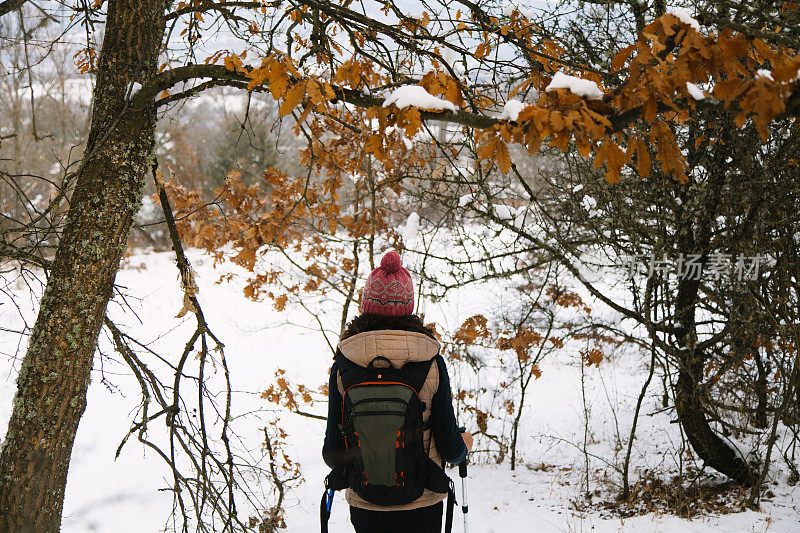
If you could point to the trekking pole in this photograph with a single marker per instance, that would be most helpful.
(325, 508)
(462, 473)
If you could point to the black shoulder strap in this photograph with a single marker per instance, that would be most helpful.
(416, 372)
(350, 372)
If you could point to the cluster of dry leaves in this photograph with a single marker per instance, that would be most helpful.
(629, 123)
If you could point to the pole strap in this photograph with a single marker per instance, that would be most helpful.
(325, 509)
(451, 503)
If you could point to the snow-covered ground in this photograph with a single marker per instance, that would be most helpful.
(123, 495)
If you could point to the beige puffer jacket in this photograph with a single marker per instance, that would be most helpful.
(399, 347)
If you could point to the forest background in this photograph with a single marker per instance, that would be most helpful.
(523, 152)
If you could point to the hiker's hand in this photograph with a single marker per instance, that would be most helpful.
(467, 436)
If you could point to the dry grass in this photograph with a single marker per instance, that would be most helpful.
(702, 495)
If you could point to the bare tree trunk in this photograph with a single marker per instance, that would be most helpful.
(694, 236)
(688, 394)
(705, 442)
(761, 390)
(55, 374)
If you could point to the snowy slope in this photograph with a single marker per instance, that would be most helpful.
(105, 495)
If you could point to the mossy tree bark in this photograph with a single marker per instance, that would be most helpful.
(55, 373)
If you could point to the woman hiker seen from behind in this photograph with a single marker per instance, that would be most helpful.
(391, 423)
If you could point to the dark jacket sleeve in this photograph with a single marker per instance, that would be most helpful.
(333, 449)
(443, 420)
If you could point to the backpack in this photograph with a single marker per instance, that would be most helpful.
(385, 461)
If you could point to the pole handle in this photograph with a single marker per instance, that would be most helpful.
(329, 502)
(462, 466)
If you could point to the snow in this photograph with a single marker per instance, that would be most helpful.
(314, 70)
(695, 91)
(414, 95)
(133, 88)
(504, 212)
(105, 495)
(578, 188)
(685, 16)
(466, 199)
(764, 73)
(148, 210)
(37, 201)
(228, 100)
(511, 110)
(509, 7)
(411, 229)
(745, 452)
(586, 88)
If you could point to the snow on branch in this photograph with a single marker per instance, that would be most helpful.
(511, 110)
(685, 16)
(695, 91)
(414, 95)
(586, 88)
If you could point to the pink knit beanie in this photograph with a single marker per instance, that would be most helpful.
(389, 290)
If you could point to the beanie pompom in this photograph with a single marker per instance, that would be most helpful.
(391, 262)
(389, 290)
